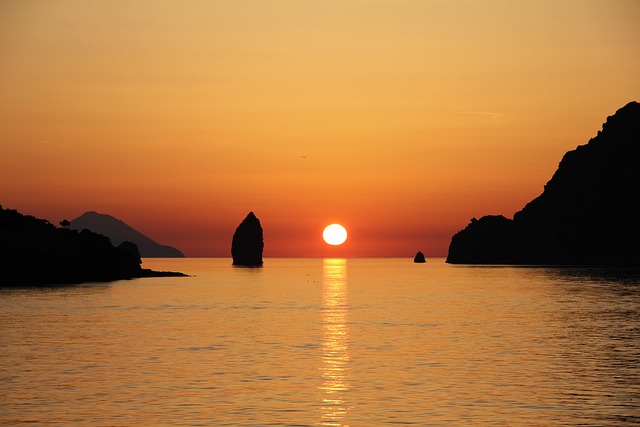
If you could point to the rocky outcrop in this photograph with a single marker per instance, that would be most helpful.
(488, 240)
(248, 243)
(419, 258)
(588, 213)
(119, 232)
(33, 252)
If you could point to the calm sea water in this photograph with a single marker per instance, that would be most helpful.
(313, 342)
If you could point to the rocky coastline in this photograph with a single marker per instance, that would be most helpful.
(34, 252)
(587, 215)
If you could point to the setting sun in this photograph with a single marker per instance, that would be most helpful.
(334, 234)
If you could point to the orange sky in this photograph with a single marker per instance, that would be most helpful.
(400, 119)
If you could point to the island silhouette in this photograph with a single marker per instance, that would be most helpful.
(34, 252)
(587, 215)
(119, 232)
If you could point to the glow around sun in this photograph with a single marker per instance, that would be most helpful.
(334, 234)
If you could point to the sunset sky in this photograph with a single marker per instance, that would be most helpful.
(400, 119)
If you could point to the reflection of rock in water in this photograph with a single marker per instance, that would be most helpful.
(335, 345)
(609, 276)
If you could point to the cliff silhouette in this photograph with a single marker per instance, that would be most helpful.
(248, 243)
(33, 252)
(588, 213)
(119, 232)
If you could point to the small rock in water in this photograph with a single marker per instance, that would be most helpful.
(419, 257)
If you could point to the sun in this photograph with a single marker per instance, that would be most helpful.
(334, 234)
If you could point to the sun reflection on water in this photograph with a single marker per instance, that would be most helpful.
(335, 345)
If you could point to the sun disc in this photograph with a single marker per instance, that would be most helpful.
(334, 234)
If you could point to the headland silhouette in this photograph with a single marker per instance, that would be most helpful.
(588, 213)
(34, 252)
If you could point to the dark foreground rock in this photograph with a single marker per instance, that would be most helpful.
(248, 243)
(588, 214)
(33, 252)
(419, 258)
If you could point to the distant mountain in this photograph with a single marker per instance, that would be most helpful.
(119, 232)
(588, 213)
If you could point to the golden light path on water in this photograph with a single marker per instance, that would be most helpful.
(335, 344)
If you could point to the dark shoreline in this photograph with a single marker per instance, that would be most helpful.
(151, 273)
(34, 252)
(144, 273)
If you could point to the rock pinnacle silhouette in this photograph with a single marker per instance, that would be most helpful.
(248, 243)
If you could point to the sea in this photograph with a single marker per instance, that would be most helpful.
(326, 342)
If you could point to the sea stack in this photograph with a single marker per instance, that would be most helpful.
(248, 243)
(419, 258)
